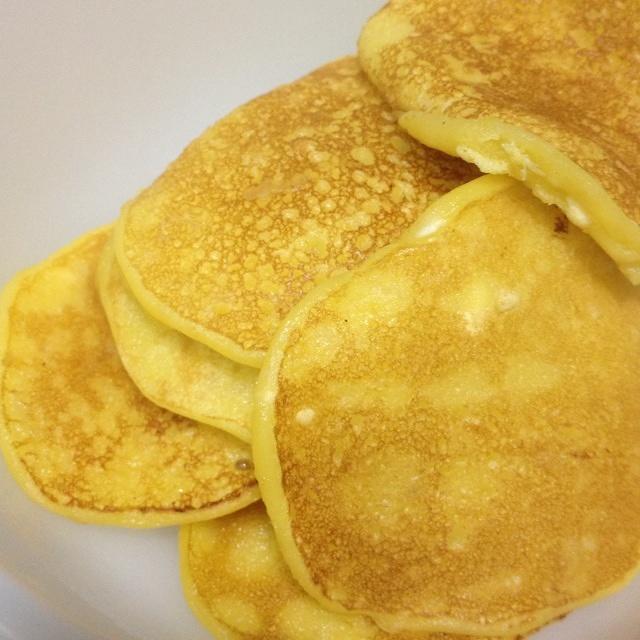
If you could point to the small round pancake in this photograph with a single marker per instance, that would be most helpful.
(77, 434)
(448, 437)
(170, 369)
(306, 180)
(547, 92)
(239, 587)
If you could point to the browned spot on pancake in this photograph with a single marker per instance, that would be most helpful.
(561, 224)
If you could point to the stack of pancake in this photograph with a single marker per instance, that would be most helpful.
(431, 377)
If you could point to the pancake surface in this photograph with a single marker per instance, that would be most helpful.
(547, 92)
(448, 437)
(77, 434)
(174, 371)
(306, 180)
(238, 585)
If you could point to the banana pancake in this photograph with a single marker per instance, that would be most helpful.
(172, 370)
(76, 433)
(304, 181)
(547, 92)
(237, 584)
(448, 437)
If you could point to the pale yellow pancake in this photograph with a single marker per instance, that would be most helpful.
(546, 91)
(239, 587)
(174, 371)
(295, 185)
(448, 437)
(76, 433)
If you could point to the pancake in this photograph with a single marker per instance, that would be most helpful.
(174, 371)
(237, 584)
(76, 433)
(306, 180)
(547, 92)
(448, 437)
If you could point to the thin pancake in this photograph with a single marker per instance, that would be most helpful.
(448, 438)
(308, 179)
(174, 371)
(77, 435)
(547, 92)
(237, 584)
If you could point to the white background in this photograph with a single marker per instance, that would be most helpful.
(95, 99)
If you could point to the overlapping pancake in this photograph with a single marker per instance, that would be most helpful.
(547, 92)
(76, 433)
(295, 185)
(447, 438)
(237, 584)
(172, 370)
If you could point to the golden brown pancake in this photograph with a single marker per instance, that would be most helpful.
(448, 437)
(547, 92)
(76, 433)
(237, 584)
(302, 182)
(170, 369)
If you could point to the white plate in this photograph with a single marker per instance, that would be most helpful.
(96, 98)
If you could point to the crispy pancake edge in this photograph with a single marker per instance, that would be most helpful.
(152, 305)
(193, 599)
(231, 426)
